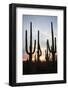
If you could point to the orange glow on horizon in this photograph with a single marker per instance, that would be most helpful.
(34, 56)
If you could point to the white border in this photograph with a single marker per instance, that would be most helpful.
(19, 44)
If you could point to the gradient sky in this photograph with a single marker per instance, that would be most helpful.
(41, 23)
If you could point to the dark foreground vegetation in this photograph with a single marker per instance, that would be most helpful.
(39, 67)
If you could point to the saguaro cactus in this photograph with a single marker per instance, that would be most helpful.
(53, 47)
(30, 51)
(39, 52)
(46, 53)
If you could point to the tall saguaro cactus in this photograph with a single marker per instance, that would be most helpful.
(30, 51)
(39, 52)
(53, 47)
(46, 53)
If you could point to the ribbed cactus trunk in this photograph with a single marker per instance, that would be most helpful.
(53, 47)
(39, 52)
(29, 52)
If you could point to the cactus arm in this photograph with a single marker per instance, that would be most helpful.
(48, 46)
(45, 54)
(52, 36)
(26, 45)
(34, 47)
(40, 52)
(38, 40)
(55, 44)
(47, 49)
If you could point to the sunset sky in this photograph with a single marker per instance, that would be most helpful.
(43, 24)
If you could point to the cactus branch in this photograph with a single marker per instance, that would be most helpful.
(34, 46)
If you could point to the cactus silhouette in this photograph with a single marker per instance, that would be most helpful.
(53, 47)
(35, 57)
(30, 51)
(39, 52)
(46, 52)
